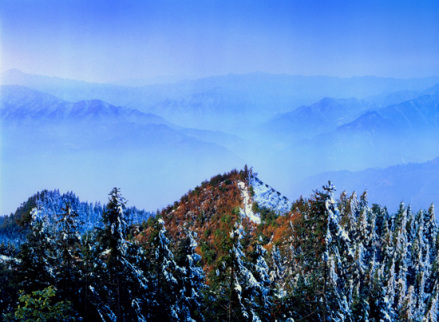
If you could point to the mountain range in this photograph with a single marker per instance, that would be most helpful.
(84, 137)
(400, 133)
(255, 96)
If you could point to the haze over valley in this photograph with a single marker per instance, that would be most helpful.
(156, 142)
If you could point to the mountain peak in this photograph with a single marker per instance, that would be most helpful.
(94, 107)
(370, 120)
(20, 102)
(236, 192)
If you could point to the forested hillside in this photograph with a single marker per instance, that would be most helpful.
(231, 249)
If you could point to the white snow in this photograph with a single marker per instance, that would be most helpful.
(247, 201)
(4, 258)
(267, 197)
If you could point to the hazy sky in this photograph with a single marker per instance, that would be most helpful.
(114, 40)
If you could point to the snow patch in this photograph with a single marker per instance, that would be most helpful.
(267, 197)
(6, 259)
(247, 201)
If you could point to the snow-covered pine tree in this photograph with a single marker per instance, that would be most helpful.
(319, 244)
(380, 306)
(251, 294)
(92, 276)
(311, 271)
(167, 282)
(68, 250)
(278, 270)
(400, 251)
(432, 312)
(114, 247)
(8, 287)
(192, 276)
(37, 254)
(261, 272)
(430, 229)
(338, 254)
(359, 305)
(121, 292)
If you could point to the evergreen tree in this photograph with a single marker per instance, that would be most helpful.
(261, 272)
(193, 279)
(8, 288)
(121, 292)
(92, 276)
(319, 248)
(37, 255)
(380, 307)
(67, 270)
(171, 286)
(309, 247)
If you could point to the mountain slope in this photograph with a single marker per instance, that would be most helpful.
(420, 114)
(348, 232)
(241, 193)
(323, 116)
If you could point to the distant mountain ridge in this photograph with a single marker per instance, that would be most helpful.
(414, 184)
(359, 86)
(69, 142)
(19, 101)
(21, 104)
(255, 94)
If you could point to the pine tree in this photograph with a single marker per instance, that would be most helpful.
(359, 304)
(309, 249)
(261, 272)
(167, 279)
(193, 279)
(380, 307)
(67, 267)
(121, 292)
(246, 289)
(37, 256)
(8, 287)
(327, 271)
(92, 276)
(113, 241)
(432, 312)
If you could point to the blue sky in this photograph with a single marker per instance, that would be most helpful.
(115, 40)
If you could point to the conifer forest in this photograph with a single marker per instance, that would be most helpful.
(229, 250)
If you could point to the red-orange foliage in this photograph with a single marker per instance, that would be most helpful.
(211, 210)
(201, 210)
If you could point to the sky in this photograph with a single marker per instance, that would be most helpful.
(108, 41)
